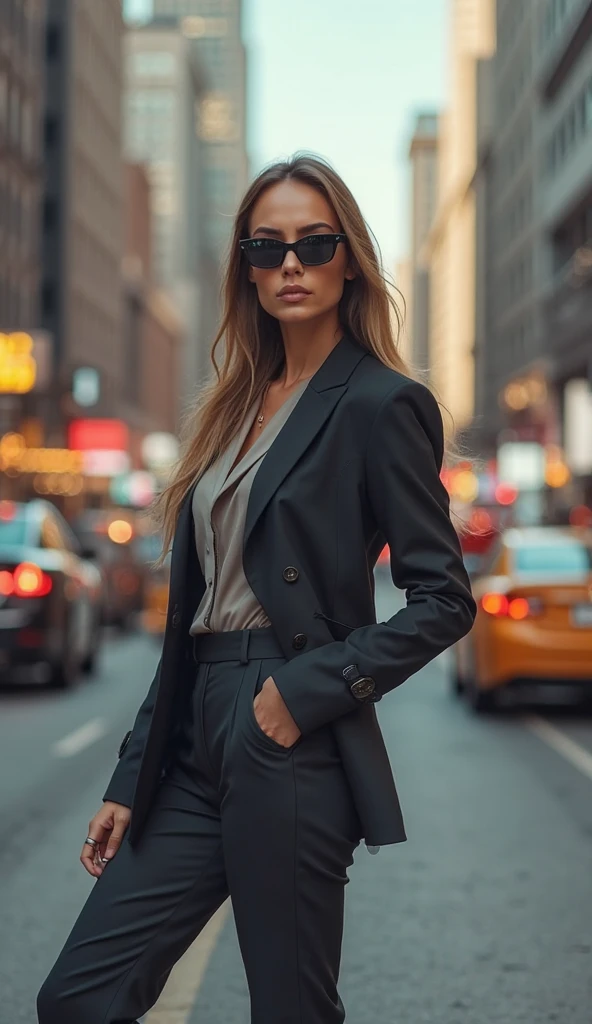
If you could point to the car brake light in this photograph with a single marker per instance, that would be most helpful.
(495, 604)
(7, 510)
(31, 581)
(6, 583)
(516, 608)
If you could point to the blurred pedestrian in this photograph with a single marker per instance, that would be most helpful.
(256, 764)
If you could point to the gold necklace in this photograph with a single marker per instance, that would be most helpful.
(261, 415)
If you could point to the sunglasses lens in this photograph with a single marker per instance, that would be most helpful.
(264, 253)
(316, 249)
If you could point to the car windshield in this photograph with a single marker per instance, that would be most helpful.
(12, 532)
(554, 558)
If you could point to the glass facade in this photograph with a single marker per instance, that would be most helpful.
(21, 30)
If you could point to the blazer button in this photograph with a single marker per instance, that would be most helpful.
(290, 574)
(176, 618)
(299, 641)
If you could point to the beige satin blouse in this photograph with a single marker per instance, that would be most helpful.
(219, 510)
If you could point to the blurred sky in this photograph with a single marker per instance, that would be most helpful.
(345, 78)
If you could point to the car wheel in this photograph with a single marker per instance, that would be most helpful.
(89, 663)
(65, 671)
(481, 700)
(457, 683)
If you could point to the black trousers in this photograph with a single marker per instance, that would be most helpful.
(235, 814)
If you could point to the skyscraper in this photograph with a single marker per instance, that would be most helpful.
(21, 83)
(214, 29)
(164, 86)
(82, 236)
(423, 154)
(450, 248)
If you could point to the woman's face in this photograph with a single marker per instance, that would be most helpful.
(293, 292)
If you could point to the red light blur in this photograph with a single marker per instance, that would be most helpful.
(518, 608)
(481, 521)
(6, 583)
(495, 604)
(7, 510)
(104, 435)
(580, 515)
(506, 494)
(31, 581)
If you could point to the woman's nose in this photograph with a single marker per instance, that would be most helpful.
(291, 264)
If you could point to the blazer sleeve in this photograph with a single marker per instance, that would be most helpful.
(123, 781)
(411, 509)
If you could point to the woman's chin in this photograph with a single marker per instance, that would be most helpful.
(295, 314)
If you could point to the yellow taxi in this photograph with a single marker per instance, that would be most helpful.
(155, 588)
(534, 618)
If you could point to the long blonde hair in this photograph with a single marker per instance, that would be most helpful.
(253, 350)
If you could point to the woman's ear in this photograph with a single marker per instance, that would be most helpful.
(251, 278)
(350, 272)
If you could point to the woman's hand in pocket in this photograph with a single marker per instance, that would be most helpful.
(107, 828)
(273, 717)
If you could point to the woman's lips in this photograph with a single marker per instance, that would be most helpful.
(293, 296)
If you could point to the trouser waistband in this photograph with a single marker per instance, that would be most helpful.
(241, 645)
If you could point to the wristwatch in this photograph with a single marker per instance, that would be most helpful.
(362, 687)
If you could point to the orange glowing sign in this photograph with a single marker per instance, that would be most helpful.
(18, 367)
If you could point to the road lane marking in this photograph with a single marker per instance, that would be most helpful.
(178, 997)
(80, 738)
(561, 743)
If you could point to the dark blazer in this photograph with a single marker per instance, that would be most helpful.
(355, 466)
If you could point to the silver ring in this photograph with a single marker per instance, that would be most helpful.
(91, 842)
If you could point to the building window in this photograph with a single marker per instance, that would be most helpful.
(153, 63)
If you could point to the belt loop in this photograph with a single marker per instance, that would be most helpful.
(244, 651)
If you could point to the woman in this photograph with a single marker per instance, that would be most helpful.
(256, 764)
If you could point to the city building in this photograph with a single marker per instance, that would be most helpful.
(449, 250)
(214, 29)
(164, 86)
(423, 156)
(152, 327)
(81, 305)
(402, 293)
(564, 82)
(22, 41)
(511, 368)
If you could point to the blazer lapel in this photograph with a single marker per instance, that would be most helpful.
(313, 408)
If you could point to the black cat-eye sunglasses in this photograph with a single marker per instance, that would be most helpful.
(312, 251)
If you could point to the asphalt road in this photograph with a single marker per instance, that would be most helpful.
(483, 917)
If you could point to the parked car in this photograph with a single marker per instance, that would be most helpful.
(534, 617)
(109, 537)
(51, 597)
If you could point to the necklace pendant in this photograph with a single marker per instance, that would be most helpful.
(260, 420)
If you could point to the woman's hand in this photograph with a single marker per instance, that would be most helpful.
(273, 716)
(107, 828)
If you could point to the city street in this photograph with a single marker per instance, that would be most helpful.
(482, 917)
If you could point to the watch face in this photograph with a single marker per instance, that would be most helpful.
(364, 686)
